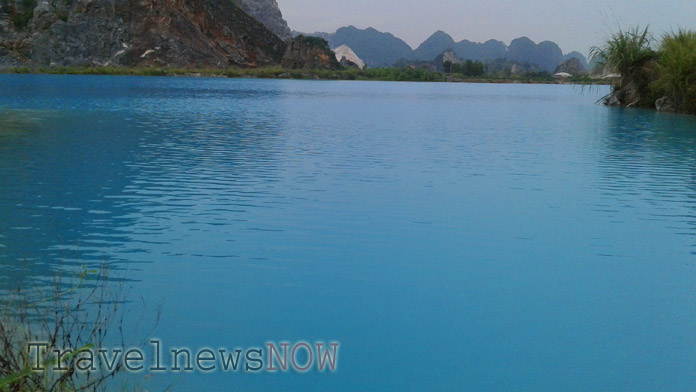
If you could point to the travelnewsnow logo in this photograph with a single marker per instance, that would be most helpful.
(281, 357)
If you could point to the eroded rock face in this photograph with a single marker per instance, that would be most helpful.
(268, 13)
(348, 58)
(665, 104)
(175, 33)
(309, 53)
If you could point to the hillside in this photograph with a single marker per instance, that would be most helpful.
(172, 33)
(268, 13)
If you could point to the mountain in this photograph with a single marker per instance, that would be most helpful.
(383, 49)
(441, 41)
(376, 48)
(174, 33)
(581, 58)
(433, 46)
(572, 66)
(268, 13)
(548, 55)
(521, 49)
(490, 50)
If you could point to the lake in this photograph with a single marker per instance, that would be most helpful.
(450, 236)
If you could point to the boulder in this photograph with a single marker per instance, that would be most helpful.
(665, 104)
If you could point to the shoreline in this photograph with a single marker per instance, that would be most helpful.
(375, 74)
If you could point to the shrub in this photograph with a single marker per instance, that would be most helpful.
(677, 69)
(625, 51)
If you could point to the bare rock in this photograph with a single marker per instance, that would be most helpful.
(612, 101)
(268, 13)
(175, 33)
(665, 104)
(309, 53)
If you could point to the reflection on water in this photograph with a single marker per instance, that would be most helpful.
(650, 165)
(450, 236)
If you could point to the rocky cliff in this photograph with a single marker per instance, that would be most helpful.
(309, 53)
(347, 57)
(268, 13)
(172, 33)
(179, 33)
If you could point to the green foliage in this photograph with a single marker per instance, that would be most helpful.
(314, 41)
(57, 318)
(411, 73)
(646, 74)
(625, 51)
(468, 68)
(20, 17)
(677, 69)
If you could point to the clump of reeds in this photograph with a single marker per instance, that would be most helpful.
(625, 51)
(677, 69)
(77, 317)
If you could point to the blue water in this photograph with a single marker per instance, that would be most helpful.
(450, 236)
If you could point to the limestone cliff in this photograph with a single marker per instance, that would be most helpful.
(347, 57)
(309, 53)
(176, 33)
(268, 13)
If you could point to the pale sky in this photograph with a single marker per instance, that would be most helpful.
(574, 25)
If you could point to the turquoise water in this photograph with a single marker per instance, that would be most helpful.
(449, 236)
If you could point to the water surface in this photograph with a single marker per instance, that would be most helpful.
(450, 236)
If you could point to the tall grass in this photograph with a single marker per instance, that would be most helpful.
(677, 69)
(625, 51)
(78, 316)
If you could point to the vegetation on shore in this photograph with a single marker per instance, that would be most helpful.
(74, 316)
(398, 74)
(659, 75)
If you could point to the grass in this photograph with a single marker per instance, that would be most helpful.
(649, 74)
(78, 313)
(677, 69)
(625, 51)
(404, 74)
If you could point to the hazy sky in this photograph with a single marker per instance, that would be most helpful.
(574, 25)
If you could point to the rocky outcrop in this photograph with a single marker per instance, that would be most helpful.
(268, 13)
(665, 104)
(572, 66)
(348, 58)
(309, 53)
(635, 89)
(175, 33)
(444, 62)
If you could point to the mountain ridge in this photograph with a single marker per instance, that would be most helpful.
(391, 49)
